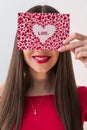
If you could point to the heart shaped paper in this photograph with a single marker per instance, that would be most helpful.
(43, 33)
(42, 30)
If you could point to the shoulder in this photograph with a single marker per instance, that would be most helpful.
(82, 91)
(82, 95)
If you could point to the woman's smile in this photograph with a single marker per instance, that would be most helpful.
(41, 58)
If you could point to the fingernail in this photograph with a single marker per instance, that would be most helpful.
(60, 49)
(64, 42)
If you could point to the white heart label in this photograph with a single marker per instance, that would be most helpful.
(43, 33)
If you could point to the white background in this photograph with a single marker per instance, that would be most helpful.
(8, 27)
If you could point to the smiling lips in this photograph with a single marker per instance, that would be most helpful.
(41, 59)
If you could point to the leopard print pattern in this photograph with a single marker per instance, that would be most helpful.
(27, 38)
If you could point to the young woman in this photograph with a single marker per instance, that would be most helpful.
(44, 96)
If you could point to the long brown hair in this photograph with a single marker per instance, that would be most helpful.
(19, 79)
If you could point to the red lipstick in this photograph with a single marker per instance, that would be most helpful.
(41, 58)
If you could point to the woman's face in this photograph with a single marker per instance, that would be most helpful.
(40, 60)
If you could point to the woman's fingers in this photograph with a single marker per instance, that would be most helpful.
(79, 49)
(70, 46)
(75, 36)
(81, 54)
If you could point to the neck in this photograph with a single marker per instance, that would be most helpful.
(41, 85)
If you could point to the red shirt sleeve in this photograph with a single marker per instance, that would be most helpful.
(82, 93)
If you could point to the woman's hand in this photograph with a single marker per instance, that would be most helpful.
(79, 48)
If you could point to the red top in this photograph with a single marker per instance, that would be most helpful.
(47, 117)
